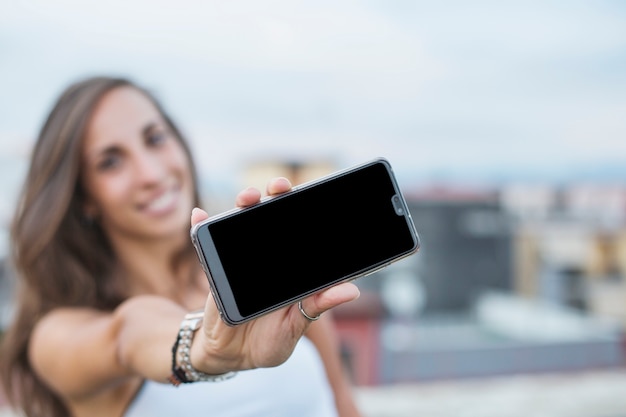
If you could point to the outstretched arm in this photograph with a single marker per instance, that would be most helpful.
(80, 352)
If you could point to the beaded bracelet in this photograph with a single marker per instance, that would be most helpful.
(185, 373)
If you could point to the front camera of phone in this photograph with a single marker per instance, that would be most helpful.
(397, 205)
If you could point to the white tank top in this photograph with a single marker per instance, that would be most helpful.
(298, 387)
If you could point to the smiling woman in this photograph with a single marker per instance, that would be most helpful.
(107, 271)
(116, 166)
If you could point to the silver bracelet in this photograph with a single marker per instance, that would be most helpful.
(182, 370)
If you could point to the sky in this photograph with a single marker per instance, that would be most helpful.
(481, 91)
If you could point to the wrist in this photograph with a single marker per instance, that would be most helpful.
(182, 369)
(205, 356)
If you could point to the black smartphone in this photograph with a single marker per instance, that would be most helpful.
(334, 229)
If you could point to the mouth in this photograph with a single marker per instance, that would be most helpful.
(163, 203)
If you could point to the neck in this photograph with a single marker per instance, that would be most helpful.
(160, 267)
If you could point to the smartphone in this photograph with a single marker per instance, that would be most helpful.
(337, 228)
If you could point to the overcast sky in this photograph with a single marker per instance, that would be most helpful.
(445, 89)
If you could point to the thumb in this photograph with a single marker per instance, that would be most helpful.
(198, 215)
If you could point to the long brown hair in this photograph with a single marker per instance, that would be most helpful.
(60, 257)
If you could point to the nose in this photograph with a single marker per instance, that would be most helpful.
(148, 168)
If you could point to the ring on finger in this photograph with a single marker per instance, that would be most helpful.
(309, 318)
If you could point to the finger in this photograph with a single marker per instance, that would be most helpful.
(197, 215)
(278, 185)
(332, 297)
(248, 197)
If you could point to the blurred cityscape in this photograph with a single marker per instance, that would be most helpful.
(518, 292)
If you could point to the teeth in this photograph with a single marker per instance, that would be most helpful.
(162, 202)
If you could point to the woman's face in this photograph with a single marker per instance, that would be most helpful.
(135, 172)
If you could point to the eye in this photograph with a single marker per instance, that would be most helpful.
(108, 162)
(156, 137)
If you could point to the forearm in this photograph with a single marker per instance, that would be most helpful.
(148, 329)
(78, 352)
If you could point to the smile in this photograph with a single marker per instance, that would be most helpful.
(163, 203)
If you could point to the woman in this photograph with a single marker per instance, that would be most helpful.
(108, 275)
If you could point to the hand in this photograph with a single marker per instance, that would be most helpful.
(268, 340)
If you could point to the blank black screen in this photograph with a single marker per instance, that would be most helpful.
(305, 240)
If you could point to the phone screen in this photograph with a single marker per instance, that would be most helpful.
(293, 245)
